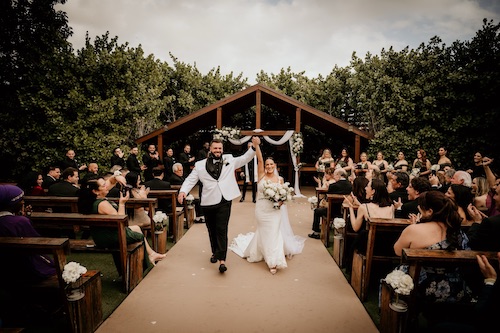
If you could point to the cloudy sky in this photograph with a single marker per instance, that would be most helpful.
(246, 36)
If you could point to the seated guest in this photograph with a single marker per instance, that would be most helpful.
(52, 176)
(341, 186)
(177, 177)
(398, 183)
(157, 183)
(68, 186)
(461, 177)
(418, 185)
(484, 233)
(92, 171)
(32, 183)
(439, 228)
(462, 196)
(27, 268)
(480, 190)
(138, 216)
(92, 200)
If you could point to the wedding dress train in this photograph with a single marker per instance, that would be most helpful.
(273, 239)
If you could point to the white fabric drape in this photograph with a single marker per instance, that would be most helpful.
(286, 137)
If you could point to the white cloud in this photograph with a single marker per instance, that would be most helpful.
(252, 35)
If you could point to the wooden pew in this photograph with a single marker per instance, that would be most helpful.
(84, 315)
(47, 203)
(333, 199)
(176, 215)
(131, 255)
(416, 259)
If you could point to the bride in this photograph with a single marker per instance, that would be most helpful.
(273, 238)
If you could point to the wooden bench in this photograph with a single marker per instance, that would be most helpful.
(176, 215)
(333, 199)
(416, 259)
(131, 255)
(48, 203)
(83, 315)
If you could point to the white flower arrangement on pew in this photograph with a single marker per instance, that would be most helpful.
(277, 192)
(297, 143)
(313, 201)
(161, 221)
(189, 201)
(402, 284)
(226, 133)
(72, 275)
(338, 223)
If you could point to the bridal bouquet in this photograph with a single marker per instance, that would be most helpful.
(277, 192)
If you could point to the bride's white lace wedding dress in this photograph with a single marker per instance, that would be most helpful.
(273, 238)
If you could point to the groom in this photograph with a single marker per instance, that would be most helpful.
(217, 174)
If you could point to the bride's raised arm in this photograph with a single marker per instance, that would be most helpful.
(260, 161)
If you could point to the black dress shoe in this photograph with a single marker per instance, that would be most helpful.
(254, 201)
(222, 268)
(242, 199)
(313, 235)
(213, 260)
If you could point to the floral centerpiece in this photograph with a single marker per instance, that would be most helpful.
(313, 201)
(72, 275)
(189, 201)
(277, 192)
(297, 143)
(402, 284)
(160, 220)
(225, 133)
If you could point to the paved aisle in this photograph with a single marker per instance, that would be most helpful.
(186, 293)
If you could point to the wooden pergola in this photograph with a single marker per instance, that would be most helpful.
(256, 97)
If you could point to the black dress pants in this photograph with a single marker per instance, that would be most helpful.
(217, 220)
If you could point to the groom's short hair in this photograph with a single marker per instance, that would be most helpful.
(216, 141)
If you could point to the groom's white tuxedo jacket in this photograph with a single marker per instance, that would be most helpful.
(214, 189)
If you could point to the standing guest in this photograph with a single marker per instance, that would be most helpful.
(203, 152)
(382, 165)
(133, 164)
(477, 169)
(168, 162)
(341, 186)
(362, 167)
(70, 161)
(32, 183)
(401, 164)
(13, 223)
(186, 159)
(417, 186)
(324, 161)
(443, 161)
(117, 158)
(151, 160)
(92, 200)
(345, 162)
(249, 176)
(219, 189)
(68, 187)
(52, 176)
(177, 177)
(422, 163)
